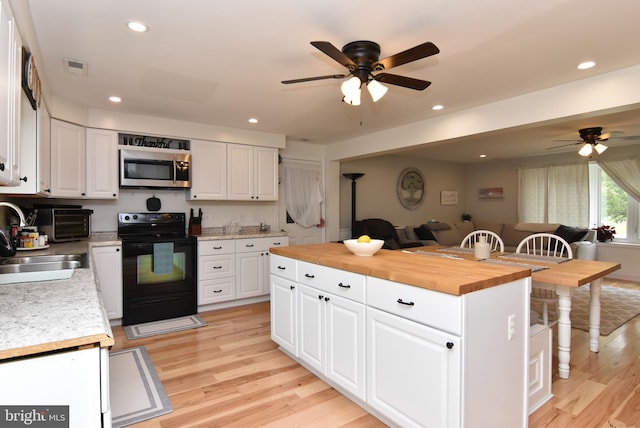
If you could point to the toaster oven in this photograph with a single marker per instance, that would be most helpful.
(65, 224)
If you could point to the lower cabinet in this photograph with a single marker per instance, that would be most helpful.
(413, 371)
(284, 320)
(108, 262)
(331, 335)
(67, 389)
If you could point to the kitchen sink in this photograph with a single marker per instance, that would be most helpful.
(44, 263)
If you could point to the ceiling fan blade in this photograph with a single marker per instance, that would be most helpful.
(564, 145)
(309, 79)
(335, 53)
(407, 82)
(418, 52)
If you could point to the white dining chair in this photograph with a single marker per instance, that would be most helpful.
(493, 239)
(546, 245)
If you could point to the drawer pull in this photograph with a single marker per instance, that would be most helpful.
(308, 275)
(292, 287)
(249, 245)
(449, 345)
(281, 267)
(402, 302)
(276, 243)
(217, 248)
(343, 285)
(217, 267)
(217, 291)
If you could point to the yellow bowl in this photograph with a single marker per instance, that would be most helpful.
(363, 248)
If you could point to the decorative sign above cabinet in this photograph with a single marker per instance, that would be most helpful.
(152, 141)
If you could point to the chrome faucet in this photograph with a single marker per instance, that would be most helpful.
(6, 247)
(23, 220)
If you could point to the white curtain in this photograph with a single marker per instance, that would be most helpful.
(302, 191)
(554, 194)
(625, 173)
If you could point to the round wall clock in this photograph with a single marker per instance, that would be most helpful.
(411, 188)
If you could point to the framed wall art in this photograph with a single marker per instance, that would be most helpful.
(411, 188)
(449, 197)
(491, 193)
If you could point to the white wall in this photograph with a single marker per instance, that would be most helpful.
(376, 195)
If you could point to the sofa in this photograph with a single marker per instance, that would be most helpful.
(378, 228)
(582, 241)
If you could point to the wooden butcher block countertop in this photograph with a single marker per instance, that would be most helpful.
(441, 274)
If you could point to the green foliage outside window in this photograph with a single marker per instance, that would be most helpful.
(614, 200)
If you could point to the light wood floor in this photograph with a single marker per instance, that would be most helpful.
(230, 374)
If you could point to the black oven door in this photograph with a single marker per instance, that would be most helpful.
(159, 279)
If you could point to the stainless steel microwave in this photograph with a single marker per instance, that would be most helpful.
(153, 167)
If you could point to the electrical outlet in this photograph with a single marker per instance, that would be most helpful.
(511, 326)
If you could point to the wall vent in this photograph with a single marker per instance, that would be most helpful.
(74, 66)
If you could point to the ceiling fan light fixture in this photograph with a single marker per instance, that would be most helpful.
(351, 91)
(600, 148)
(585, 150)
(376, 89)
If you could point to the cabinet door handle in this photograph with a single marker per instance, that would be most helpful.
(281, 267)
(308, 275)
(292, 287)
(326, 299)
(320, 296)
(402, 302)
(343, 285)
(449, 345)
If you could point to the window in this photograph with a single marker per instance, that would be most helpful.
(610, 205)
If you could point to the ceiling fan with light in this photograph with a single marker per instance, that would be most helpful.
(361, 58)
(591, 140)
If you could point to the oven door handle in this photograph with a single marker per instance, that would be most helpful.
(157, 300)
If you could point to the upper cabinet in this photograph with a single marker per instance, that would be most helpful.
(209, 170)
(252, 173)
(101, 164)
(68, 160)
(10, 66)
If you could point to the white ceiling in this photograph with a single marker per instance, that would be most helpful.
(221, 63)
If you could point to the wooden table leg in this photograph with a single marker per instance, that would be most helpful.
(564, 330)
(594, 315)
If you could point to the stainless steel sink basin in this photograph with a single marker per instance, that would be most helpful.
(44, 263)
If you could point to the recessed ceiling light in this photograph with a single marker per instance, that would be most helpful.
(136, 26)
(483, 156)
(586, 65)
(253, 120)
(437, 107)
(115, 99)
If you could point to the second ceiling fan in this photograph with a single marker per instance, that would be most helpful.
(362, 59)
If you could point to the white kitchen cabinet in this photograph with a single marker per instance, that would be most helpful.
(252, 264)
(284, 314)
(74, 378)
(101, 164)
(413, 371)
(331, 328)
(216, 271)
(68, 160)
(10, 72)
(108, 262)
(252, 173)
(209, 166)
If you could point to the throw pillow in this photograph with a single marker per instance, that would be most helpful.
(570, 234)
(424, 234)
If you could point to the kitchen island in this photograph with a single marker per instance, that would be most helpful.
(54, 344)
(416, 340)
